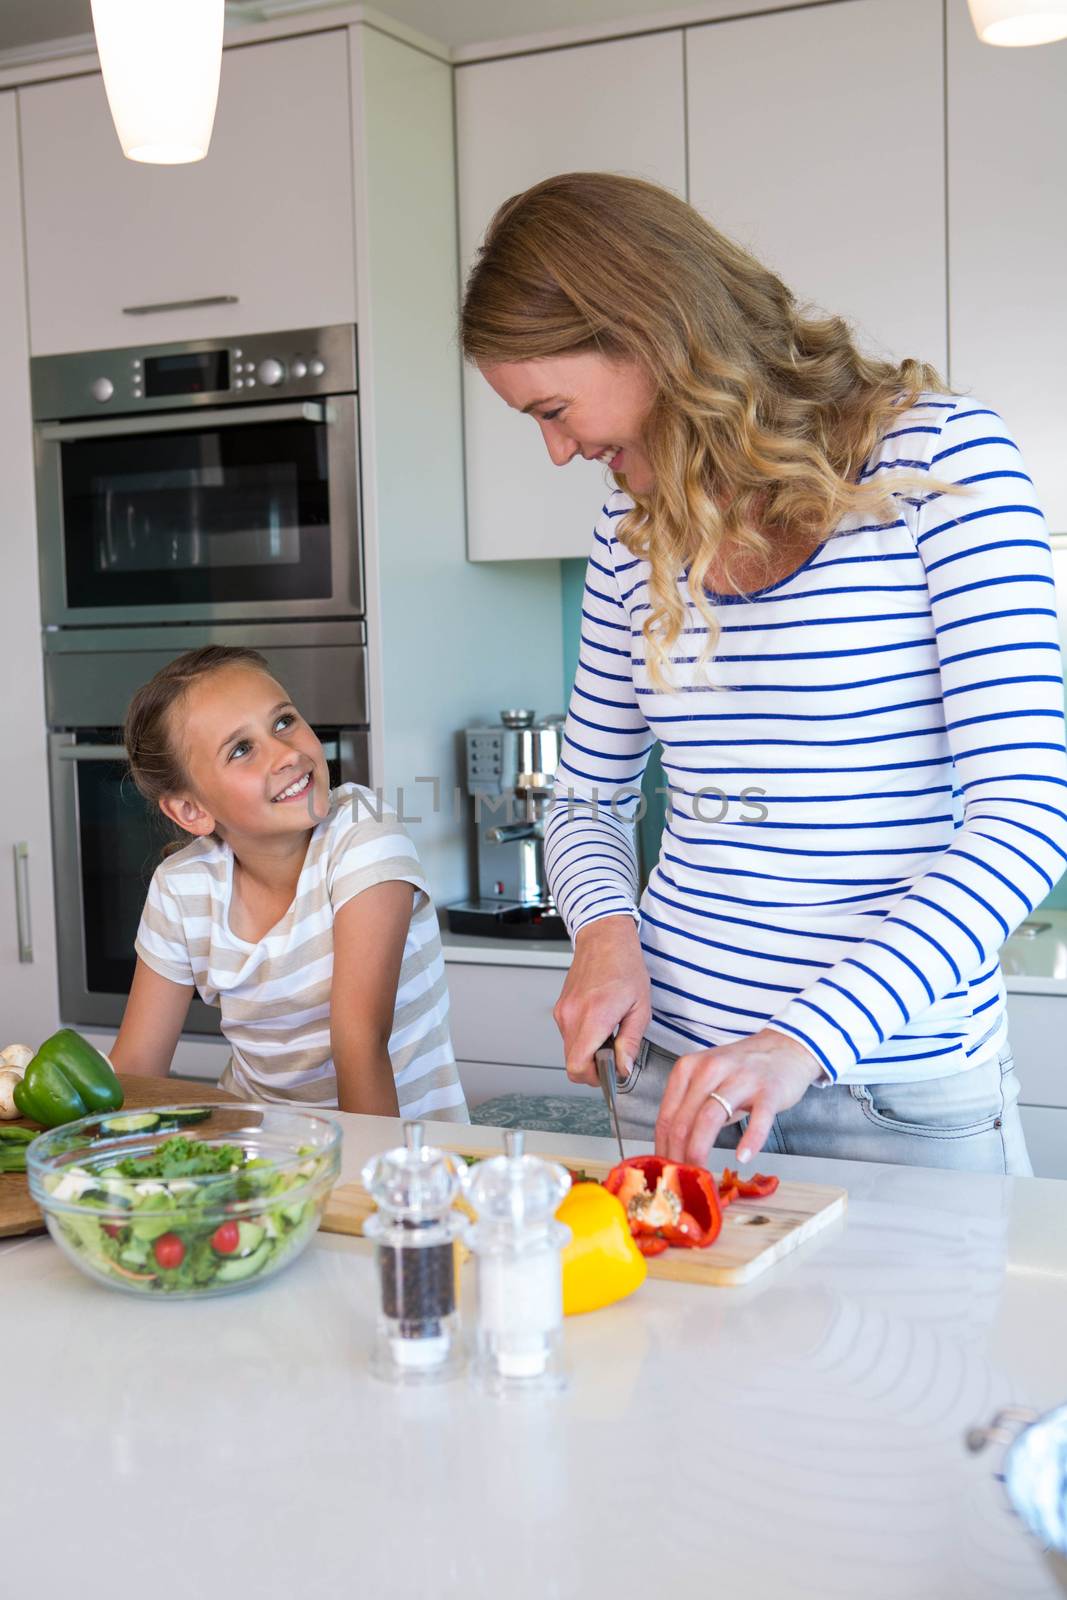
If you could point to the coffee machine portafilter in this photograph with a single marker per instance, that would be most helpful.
(510, 771)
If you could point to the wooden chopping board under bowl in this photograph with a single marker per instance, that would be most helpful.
(755, 1233)
(18, 1214)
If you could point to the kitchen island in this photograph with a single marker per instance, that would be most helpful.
(798, 1437)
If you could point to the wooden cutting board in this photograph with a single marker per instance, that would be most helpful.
(755, 1233)
(18, 1214)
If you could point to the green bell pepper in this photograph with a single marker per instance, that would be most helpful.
(67, 1079)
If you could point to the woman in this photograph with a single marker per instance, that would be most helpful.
(824, 585)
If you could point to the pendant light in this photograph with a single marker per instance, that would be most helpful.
(161, 61)
(1019, 22)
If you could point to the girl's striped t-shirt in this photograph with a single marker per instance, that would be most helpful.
(275, 995)
(868, 780)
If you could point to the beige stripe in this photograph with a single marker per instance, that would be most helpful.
(433, 1039)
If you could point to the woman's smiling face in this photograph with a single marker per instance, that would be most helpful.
(584, 404)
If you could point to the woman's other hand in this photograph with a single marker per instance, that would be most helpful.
(761, 1075)
(606, 992)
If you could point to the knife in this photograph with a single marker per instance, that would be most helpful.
(605, 1071)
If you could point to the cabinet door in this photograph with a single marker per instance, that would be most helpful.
(28, 988)
(615, 107)
(1007, 129)
(266, 217)
(816, 140)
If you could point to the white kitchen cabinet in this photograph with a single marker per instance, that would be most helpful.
(616, 107)
(1037, 1027)
(265, 218)
(1046, 1140)
(504, 1014)
(816, 140)
(1007, 130)
(29, 1001)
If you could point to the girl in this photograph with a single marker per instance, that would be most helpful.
(294, 909)
(822, 581)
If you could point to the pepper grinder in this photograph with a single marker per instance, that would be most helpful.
(415, 1231)
(518, 1248)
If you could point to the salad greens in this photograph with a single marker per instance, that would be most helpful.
(187, 1217)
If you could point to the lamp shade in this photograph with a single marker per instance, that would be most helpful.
(161, 61)
(1019, 22)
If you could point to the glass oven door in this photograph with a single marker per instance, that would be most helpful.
(210, 515)
(107, 842)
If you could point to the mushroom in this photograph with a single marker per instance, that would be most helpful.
(13, 1063)
(8, 1079)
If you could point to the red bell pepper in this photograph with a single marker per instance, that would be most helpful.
(666, 1203)
(733, 1187)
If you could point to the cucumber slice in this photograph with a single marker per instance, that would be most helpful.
(131, 1122)
(238, 1267)
(250, 1237)
(186, 1116)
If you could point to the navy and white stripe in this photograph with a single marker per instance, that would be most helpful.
(898, 705)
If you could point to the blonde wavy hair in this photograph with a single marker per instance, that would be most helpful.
(762, 417)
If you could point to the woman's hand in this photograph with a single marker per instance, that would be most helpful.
(762, 1075)
(606, 992)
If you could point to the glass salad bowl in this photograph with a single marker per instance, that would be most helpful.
(184, 1201)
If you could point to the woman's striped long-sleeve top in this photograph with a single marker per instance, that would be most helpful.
(886, 729)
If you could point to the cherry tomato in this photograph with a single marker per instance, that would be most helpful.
(225, 1239)
(169, 1251)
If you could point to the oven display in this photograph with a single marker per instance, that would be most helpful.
(203, 372)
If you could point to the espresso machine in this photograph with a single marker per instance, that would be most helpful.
(510, 770)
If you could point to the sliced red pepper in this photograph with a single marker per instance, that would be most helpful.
(651, 1244)
(662, 1198)
(758, 1187)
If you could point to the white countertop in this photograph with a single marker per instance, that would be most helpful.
(1033, 963)
(797, 1438)
(484, 950)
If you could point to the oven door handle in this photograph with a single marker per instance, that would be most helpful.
(117, 752)
(91, 752)
(186, 422)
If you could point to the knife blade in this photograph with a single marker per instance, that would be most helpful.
(605, 1071)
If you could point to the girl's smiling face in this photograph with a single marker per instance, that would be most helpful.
(255, 768)
(585, 404)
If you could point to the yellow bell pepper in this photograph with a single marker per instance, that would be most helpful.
(602, 1263)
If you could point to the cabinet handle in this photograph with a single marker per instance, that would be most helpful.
(181, 305)
(22, 901)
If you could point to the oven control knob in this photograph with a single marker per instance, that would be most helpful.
(101, 389)
(270, 372)
(298, 368)
(316, 367)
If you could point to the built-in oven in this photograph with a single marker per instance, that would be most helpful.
(107, 841)
(212, 481)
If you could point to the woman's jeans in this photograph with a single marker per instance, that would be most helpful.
(969, 1121)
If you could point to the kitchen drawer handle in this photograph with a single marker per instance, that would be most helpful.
(180, 305)
(22, 901)
(232, 417)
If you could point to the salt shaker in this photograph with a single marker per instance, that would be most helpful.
(415, 1231)
(517, 1244)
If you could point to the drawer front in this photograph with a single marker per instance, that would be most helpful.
(503, 1015)
(1037, 1027)
(1046, 1140)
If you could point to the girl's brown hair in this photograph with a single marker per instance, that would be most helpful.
(151, 747)
(762, 418)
